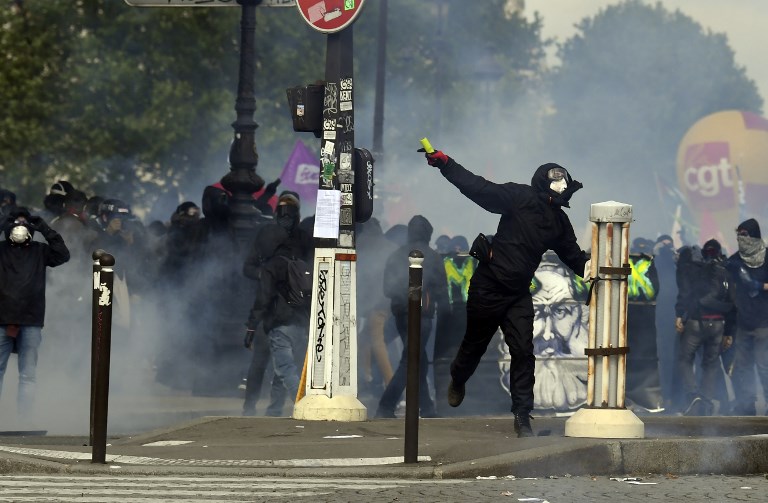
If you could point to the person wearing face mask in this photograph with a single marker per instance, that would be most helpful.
(749, 274)
(23, 265)
(276, 327)
(532, 222)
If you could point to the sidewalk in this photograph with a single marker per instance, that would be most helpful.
(448, 448)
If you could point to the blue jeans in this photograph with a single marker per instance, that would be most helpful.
(394, 390)
(751, 348)
(288, 344)
(27, 343)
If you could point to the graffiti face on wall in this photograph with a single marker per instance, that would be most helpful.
(560, 335)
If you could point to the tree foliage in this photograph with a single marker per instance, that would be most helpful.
(635, 78)
(122, 101)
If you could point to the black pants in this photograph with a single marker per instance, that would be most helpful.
(487, 310)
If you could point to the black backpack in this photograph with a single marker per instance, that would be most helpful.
(297, 283)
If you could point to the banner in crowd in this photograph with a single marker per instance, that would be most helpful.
(301, 174)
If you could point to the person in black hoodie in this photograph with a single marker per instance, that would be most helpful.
(704, 319)
(532, 222)
(23, 264)
(286, 325)
(434, 296)
(749, 273)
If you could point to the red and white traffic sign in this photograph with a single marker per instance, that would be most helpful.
(329, 16)
(205, 3)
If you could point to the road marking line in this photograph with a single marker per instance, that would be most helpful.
(146, 460)
(165, 443)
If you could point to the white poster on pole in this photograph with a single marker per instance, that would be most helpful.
(327, 214)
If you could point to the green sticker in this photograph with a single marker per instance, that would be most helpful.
(328, 171)
(349, 4)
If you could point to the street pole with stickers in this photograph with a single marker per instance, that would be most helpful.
(345, 197)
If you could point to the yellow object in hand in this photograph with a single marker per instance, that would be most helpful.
(427, 146)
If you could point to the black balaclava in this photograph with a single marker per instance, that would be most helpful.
(711, 250)
(186, 214)
(287, 216)
(541, 184)
(18, 232)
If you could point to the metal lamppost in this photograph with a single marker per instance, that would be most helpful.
(242, 180)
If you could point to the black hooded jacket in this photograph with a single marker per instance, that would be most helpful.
(532, 222)
(434, 283)
(22, 277)
(264, 266)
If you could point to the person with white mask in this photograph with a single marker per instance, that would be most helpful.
(23, 265)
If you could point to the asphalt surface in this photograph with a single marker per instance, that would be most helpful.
(448, 448)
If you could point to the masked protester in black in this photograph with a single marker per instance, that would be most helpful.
(532, 222)
(23, 265)
(274, 326)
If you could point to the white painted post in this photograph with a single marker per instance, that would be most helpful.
(605, 414)
(331, 388)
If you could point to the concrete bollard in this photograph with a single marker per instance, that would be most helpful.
(605, 414)
(415, 276)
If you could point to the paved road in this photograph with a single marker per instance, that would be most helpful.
(148, 489)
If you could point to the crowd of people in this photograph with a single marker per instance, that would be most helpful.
(711, 325)
(175, 318)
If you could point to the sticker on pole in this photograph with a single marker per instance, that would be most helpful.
(329, 16)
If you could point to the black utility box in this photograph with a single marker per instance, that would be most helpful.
(306, 107)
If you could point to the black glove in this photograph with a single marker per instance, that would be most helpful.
(271, 188)
(436, 158)
(248, 340)
(36, 223)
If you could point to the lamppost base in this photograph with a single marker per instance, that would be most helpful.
(604, 423)
(323, 408)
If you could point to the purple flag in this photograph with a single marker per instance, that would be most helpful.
(301, 174)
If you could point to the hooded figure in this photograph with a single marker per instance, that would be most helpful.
(23, 265)
(532, 222)
(704, 320)
(748, 271)
(434, 296)
(284, 324)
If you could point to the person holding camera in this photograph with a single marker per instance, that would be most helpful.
(23, 265)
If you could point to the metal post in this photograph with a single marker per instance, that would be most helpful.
(242, 180)
(102, 349)
(415, 271)
(331, 388)
(605, 415)
(96, 283)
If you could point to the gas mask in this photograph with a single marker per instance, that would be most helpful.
(558, 179)
(19, 233)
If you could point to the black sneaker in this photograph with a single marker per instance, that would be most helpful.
(523, 425)
(455, 394)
